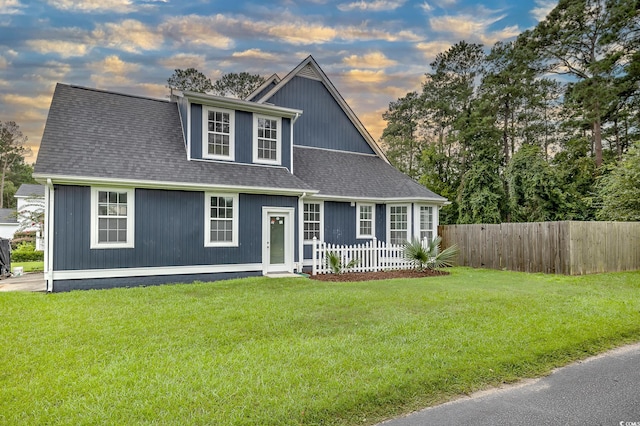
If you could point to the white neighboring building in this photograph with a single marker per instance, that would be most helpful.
(8, 223)
(29, 199)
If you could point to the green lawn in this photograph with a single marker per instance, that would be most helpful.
(296, 351)
(36, 266)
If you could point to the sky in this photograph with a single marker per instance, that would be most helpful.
(373, 51)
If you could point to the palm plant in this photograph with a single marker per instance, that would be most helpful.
(334, 262)
(429, 256)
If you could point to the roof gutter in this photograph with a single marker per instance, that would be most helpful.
(180, 186)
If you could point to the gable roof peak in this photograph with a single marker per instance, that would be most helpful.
(309, 68)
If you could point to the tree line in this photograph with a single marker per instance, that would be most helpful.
(545, 127)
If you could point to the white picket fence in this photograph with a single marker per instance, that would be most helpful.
(372, 256)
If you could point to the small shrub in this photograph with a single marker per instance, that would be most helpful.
(21, 237)
(429, 256)
(334, 262)
(26, 252)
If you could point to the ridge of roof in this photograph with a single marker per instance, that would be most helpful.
(309, 60)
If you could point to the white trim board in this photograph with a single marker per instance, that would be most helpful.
(154, 271)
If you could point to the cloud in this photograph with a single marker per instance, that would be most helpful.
(286, 27)
(94, 6)
(33, 102)
(255, 54)
(473, 27)
(113, 65)
(542, 9)
(426, 7)
(11, 7)
(153, 90)
(367, 76)
(110, 81)
(183, 61)
(3, 62)
(129, 35)
(65, 49)
(198, 30)
(430, 49)
(374, 6)
(369, 60)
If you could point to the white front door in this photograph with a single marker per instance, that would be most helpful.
(277, 239)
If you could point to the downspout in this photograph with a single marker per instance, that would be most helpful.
(301, 231)
(48, 234)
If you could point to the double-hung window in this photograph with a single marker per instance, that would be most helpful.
(426, 222)
(312, 222)
(112, 218)
(218, 133)
(267, 139)
(366, 220)
(221, 220)
(398, 224)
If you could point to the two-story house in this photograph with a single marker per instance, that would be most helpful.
(145, 191)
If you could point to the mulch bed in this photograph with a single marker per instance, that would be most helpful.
(383, 275)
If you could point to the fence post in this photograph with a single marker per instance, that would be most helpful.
(314, 253)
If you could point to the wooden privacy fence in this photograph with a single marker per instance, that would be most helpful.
(372, 256)
(567, 247)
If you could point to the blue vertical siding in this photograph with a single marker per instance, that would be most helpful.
(169, 231)
(196, 131)
(340, 225)
(381, 222)
(323, 123)
(263, 92)
(243, 136)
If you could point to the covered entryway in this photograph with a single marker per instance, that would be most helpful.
(277, 239)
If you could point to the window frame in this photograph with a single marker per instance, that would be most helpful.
(256, 159)
(408, 228)
(207, 220)
(418, 224)
(205, 133)
(321, 222)
(359, 220)
(130, 241)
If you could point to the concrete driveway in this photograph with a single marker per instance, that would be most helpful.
(602, 390)
(28, 282)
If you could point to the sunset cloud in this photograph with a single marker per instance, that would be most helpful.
(255, 54)
(11, 7)
(93, 6)
(367, 76)
(184, 61)
(66, 49)
(375, 6)
(369, 60)
(469, 27)
(129, 35)
(542, 9)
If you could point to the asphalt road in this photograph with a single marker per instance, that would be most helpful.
(603, 390)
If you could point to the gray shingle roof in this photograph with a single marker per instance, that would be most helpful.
(8, 216)
(344, 174)
(98, 134)
(30, 190)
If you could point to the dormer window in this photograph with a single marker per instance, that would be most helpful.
(267, 137)
(219, 133)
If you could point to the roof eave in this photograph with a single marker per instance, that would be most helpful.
(231, 103)
(153, 184)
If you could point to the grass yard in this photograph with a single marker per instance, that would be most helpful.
(35, 266)
(295, 351)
